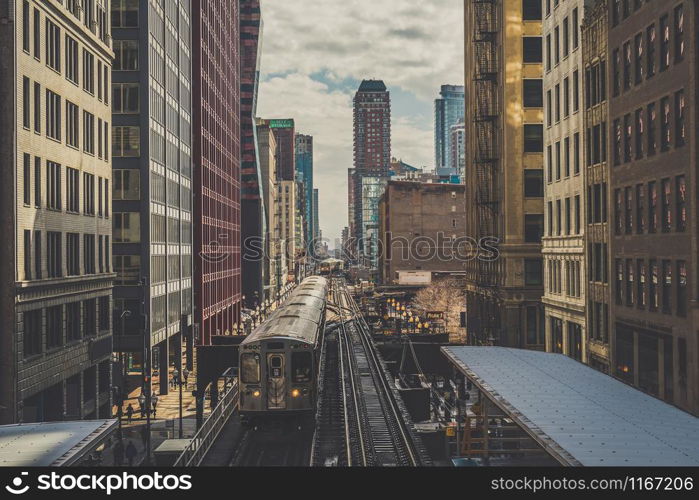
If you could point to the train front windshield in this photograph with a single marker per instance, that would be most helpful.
(301, 367)
(250, 368)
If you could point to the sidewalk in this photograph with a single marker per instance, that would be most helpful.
(164, 426)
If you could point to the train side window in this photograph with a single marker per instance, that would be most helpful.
(301, 366)
(250, 368)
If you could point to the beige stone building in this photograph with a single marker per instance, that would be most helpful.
(504, 169)
(288, 223)
(55, 148)
(564, 184)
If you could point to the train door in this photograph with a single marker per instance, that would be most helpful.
(276, 382)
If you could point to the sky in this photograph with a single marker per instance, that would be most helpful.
(316, 52)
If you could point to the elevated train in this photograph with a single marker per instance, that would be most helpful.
(279, 360)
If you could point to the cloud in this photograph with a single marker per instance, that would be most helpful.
(315, 52)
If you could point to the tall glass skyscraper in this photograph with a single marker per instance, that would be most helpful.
(304, 175)
(448, 110)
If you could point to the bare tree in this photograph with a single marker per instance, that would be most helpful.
(444, 295)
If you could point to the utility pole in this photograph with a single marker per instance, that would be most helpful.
(146, 365)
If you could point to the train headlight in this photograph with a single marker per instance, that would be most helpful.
(295, 393)
(256, 394)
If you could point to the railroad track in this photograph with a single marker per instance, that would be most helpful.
(373, 430)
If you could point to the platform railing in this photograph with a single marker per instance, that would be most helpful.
(196, 450)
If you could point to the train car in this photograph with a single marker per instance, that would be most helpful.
(279, 359)
(331, 267)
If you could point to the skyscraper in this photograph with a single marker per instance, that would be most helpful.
(252, 199)
(284, 132)
(216, 158)
(55, 191)
(372, 144)
(152, 182)
(304, 174)
(448, 110)
(505, 141)
(316, 220)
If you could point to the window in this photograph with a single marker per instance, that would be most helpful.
(71, 60)
(125, 98)
(27, 254)
(566, 97)
(125, 55)
(576, 29)
(126, 141)
(89, 253)
(531, 49)
(54, 327)
(558, 161)
(665, 136)
(681, 203)
(37, 182)
(640, 209)
(25, 26)
(628, 209)
(37, 255)
(127, 269)
(679, 33)
(100, 144)
(680, 126)
(26, 102)
(617, 142)
(652, 145)
(73, 321)
(549, 162)
(53, 185)
(653, 299)
(549, 109)
(652, 207)
(88, 71)
(666, 194)
(533, 93)
(650, 51)
(576, 153)
(532, 272)
(627, 138)
(557, 96)
(531, 10)
(557, 45)
(53, 46)
(533, 138)
(548, 52)
(27, 178)
(641, 284)
(32, 332)
(550, 219)
(535, 334)
(88, 132)
(88, 193)
(681, 288)
(73, 254)
(533, 183)
(566, 156)
(250, 368)
(125, 13)
(53, 254)
(72, 190)
(566, 35)
(53, 115)
(576, 91)
(627, 66)
(568, 216)
(630, 286)
(577, 214)
(615, 70)
(638, 60)
(618, 204)
(664, 43)
(90, 308)
(37, 107)
(127, 227)
(533, 228)
(72, 125)
(639, 133)
(667, 287)
(559, 218)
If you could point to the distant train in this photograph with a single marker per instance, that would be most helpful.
(279, 359)
(330, 267)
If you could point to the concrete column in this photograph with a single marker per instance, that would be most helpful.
(164, 365)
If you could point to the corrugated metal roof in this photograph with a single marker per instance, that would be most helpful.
(579, 412)
(50, 443)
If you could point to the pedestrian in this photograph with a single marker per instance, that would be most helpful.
(131, 453)
(185, 374)
(119, 453)
(175, 377)
(142, 410)
(129, 412)
(154, 410)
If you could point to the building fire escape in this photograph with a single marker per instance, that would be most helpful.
(486, 73)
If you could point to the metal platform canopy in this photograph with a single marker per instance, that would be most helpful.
(54, 444)
(578, 415)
